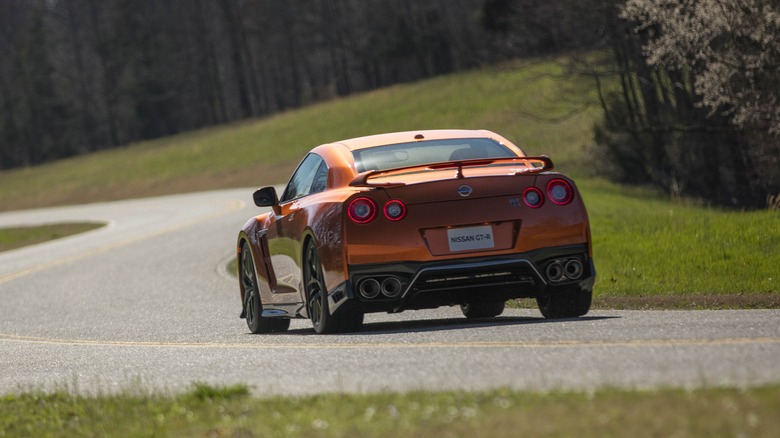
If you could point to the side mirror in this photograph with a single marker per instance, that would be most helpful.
(266, 197)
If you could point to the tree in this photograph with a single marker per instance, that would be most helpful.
(524, 27)
(82, 75)
(697, 109)
(732, 45)
(36, 117)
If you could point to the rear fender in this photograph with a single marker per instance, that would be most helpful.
(325, 228)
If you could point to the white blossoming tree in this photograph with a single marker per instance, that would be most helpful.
(732, 45)
(698, 110)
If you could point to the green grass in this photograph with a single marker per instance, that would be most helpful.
(17, 237)
(232, 412)
(644, 244)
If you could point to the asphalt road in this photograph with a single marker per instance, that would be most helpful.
(145, 304)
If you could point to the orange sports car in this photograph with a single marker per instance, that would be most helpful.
(414, 220)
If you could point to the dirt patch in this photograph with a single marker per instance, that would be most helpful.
(689, 302)
(674, 302)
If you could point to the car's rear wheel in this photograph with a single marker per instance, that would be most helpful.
(253, 307)
(317, 299)
(567, 303)
(487, 309)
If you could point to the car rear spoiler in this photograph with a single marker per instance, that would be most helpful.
(532, 164)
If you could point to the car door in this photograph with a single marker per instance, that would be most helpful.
(284, 236)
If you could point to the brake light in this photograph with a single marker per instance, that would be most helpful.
(560, 191)
(395, 210)
(361, 210)
(533, 197)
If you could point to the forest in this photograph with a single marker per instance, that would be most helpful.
(690, 94)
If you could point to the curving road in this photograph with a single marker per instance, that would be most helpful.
(145, 303)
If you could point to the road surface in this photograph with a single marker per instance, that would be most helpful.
(145, 304)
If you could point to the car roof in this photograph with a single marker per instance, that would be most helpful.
(411, 136)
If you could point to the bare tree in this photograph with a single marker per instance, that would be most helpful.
(83, 75)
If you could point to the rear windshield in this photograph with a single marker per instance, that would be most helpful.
(428, 152)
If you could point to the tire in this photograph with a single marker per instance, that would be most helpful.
(253, 307)
(317, 299)
(487, 309)
(569, 303)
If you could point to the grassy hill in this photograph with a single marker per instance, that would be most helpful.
(512, 99)
(644, 244)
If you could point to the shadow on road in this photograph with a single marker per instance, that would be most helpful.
(442, 324)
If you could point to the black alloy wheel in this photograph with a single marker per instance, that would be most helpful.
(317, 299)
(567, 303)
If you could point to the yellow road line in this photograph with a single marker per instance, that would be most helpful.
(390, 345)
(235, 205)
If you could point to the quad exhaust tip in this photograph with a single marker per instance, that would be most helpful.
(370, 288)
(564, 269)
(555, 272)
(573, 269)
(391, 287)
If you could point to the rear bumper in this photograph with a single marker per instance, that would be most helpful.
(467, 280)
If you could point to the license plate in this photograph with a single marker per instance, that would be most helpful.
(470, 238)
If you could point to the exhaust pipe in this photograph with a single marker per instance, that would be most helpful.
(555, 271)
(574, 269)
(391, 287)
(369, 288)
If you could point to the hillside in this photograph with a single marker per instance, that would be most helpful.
(534, 103)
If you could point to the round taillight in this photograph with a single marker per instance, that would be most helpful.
(533, 197)
(361, 210)
(395, 210)
(559, 191)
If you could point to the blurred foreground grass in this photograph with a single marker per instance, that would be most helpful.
(232, 412)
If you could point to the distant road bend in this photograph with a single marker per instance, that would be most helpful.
(146, 301)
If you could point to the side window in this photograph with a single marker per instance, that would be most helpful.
(320, 179)
(301, 182)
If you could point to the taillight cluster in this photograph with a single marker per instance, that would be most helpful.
(364, 210)
(559, 192)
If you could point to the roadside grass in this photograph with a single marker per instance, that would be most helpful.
(643, 245)
(18, 237)
(232, 411)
